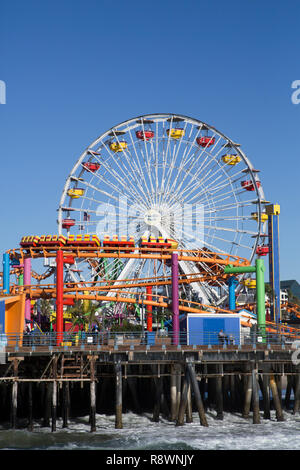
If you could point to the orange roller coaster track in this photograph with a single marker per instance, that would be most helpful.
(197, 256)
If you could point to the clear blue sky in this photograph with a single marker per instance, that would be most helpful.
(73, 69)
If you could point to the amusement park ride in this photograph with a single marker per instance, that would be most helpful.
(190, 215)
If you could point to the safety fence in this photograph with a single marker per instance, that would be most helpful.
(163, 338)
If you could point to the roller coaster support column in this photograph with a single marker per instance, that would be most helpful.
(175, 299)
(259, 269)
(6, 269)
(149, 308)
(27, 282)
(232, 283)
(273, 212)
(59, 296)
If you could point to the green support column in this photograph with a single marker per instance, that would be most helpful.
(259, 270)
(21, 280)
(260, 297)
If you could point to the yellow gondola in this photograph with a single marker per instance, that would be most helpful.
(263, 218)
(176, 133)
(118, 146)
(250, 283)
(75, 193)
(231, 159)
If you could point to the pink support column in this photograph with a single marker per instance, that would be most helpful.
(27, 282)
(175, 299)
(59, 297)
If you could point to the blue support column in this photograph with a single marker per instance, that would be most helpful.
(273, 212)
(232, 283)
(6, 269)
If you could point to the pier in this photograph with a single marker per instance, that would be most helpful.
(43, 383)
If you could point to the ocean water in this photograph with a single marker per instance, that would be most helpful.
(141, 433)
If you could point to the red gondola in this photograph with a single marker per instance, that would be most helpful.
(91, 166)
(262, 250)
(68, 223)
(144, 135)
(249, 186)
(205, 141)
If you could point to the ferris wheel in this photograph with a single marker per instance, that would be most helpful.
(167, 176)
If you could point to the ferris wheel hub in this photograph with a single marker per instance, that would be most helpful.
(152, 217)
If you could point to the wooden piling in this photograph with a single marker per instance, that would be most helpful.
(197, 394)
(30, 414)
(189, 408)
(118, 374)
(219, 393)
(255, 398)
(287, 398)
(47, 405)
(276, 399)
(265, 389)
(14, 404)
(173, 392)
(297, 393)
(157, 393)
(54, 406)
(178, 386)
(65, 404)
(247, 397)
(184, 400)
(93, 395)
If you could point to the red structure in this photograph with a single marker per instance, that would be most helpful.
(205, 141)
(249, 186)
(59, 297)
(262, 250)
(144, 135)
(60, 260)
(149, 308)
(91, 166)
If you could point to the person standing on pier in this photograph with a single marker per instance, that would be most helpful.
(221, 337)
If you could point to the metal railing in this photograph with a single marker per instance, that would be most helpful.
(162, 338)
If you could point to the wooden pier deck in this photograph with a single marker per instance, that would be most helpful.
(39, 382)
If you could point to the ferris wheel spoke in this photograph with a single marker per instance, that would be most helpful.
(130, 187)
(138, 163)
(202, 166)
(123, 188)
(176, 150)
